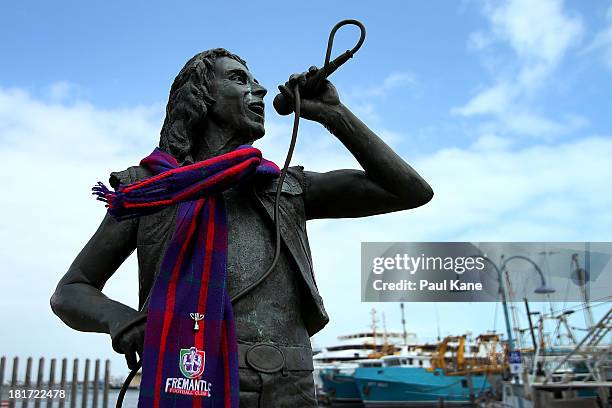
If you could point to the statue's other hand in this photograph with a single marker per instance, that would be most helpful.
(314, 107)
(131, 343)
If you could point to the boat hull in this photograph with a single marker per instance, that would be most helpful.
(414, 386)
(339, 387)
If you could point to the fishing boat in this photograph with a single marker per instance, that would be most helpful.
(577, 374)
(335, 364)
(338, 380)
(419, 377)
(560, 364)
(410, 385)
(359, 346)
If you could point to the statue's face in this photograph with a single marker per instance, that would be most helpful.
(239, 100)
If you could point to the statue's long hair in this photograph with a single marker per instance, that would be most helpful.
(188, 103)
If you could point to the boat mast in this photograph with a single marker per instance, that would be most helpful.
(385, 346)
(587, 268)
(533, 338)
(437, 321)
(374, 334)
(405, 333)
(513, 311)
(582, 277)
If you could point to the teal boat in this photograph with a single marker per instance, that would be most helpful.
(339, 383)
(334, 365)
(408, 381)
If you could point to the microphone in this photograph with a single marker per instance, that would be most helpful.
(314, 84)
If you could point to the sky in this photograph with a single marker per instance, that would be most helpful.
(502, 106)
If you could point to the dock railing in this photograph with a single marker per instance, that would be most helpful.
(24, 392)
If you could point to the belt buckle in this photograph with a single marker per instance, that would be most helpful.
(265, 357)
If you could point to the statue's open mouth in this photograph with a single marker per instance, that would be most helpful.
(257, 108)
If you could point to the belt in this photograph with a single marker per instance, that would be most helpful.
(270, 358)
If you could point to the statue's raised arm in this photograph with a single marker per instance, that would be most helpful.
(386, 184)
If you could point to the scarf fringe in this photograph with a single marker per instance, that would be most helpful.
(114, 201)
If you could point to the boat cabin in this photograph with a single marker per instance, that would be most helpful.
(416, 361)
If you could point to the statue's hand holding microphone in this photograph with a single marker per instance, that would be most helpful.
(317, 94)
(318, 97)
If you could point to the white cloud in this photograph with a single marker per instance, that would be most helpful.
(85, 132)
(493, 100)
(390, 83)
(603, 41)
(360, 98)
(532, 124)
(488, 192)
(479, 40)
(490, 195)
(62, 91)
(539, 34)
(490, 142)
(52, 153)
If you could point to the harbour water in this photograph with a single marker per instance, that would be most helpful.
(130, 400)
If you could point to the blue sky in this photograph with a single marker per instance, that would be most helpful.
(502, 106)
(120, 55)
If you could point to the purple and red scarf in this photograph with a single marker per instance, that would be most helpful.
(184, 367)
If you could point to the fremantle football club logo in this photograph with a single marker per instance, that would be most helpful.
(191, 362)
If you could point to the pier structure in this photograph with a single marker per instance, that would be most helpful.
(45, 390)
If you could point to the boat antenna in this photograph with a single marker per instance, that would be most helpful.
(546, 267)
(405, 334)
(531, 331)
(581, 276)
(385, 336)
(437, 321)
(513, 311)
(373, 313)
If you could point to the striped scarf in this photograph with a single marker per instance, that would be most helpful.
(185, 366)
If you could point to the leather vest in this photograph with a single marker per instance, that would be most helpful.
(155, 230)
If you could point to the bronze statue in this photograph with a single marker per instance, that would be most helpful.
(216, 105)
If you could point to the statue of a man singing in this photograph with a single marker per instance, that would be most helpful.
(200, 213)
